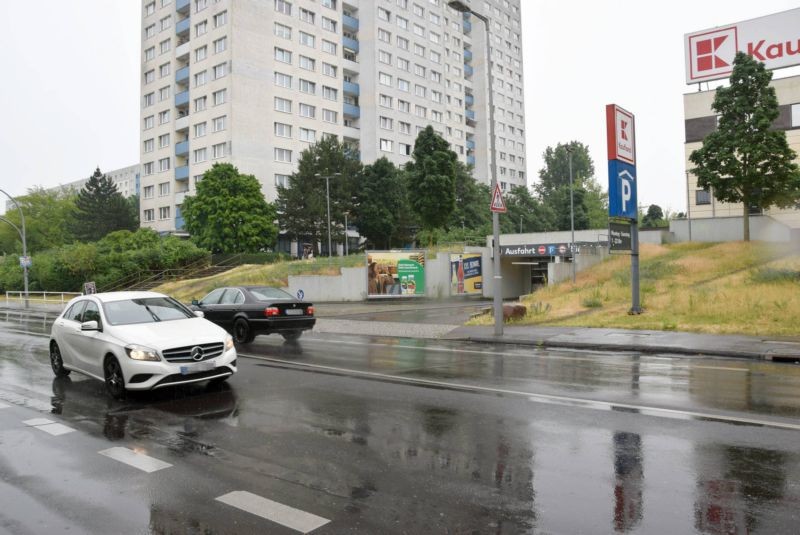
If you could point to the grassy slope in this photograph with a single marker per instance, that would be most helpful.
(711, 288)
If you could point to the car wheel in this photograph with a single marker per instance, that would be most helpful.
(291, 335)
(115, 382)
(57, 362)
(241, 332)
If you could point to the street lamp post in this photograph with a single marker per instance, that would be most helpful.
(328, 198)
(24, 244)
(497, 285)
(571, 212)
(345, 234)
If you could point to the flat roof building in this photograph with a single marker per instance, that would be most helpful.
(255, 82)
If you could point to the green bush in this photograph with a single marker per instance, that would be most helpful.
(774, 275)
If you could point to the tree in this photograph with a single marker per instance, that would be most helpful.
(99, 209)
(654, 217)
(472, 204)
(47, 215)
(229, 214)
(432, 180)
(381, 197)
(302, 205)
(525, 213)
(553, 188)
(744, 160)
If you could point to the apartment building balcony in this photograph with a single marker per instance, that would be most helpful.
(351, 88)
(180, 197)
(350, 23)
(182, 172)
(182, 148)
(182, 99)
(182, 28)
(183, 6)
(470, 144)
(467, 55)
(350, 44)
(182, 75)
(467, 25)
(351, 110)
(182, 123)
(180, 223)
(470, 160)
(468, 71)
(469, 100)
(182, 52)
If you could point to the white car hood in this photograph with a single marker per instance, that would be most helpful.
(169, 334)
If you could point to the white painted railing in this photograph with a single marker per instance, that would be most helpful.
(49, 298)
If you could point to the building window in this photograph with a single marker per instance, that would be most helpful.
(402, 43)
(163, 141)
(329, 47)
(149, 215)
(149, 9)
(220, 19)
(328, 24)
(307, 16)
(219, 123)
(331, 4)
(147, 169)
(328, 69)
(283, 130)
(283, 80)
(163, 164)
(386, 145)
(149, 122)
(200, 129)
(220, 70)
(220, 96)
(149, 191)
(386, 123)
(199, 103)
(148, 100)
(308, 135)
(702, 196)
(384, 14)
(385, 101)
(150, 31)
(218, 150)
(149, 145)
(307, 63)
(282, 181)
(307, 86)
(200, 155)
(163, 212)
(220, 45)
(330, 116)
(200, 53)
(284, 105)
(163, 117)
(163, 189)
(405, 128)
(329, 93)
(384, 79)
(163, 93)
(384, 36)
(282, 6)
(200, 28)
(150, 53)
(405, 149)
(283, 155)
(149, 76)
(200, 78)
(306, 110)
(166, 22)
(384, 57)
(307, 39)
(283, 31)
(165, 46)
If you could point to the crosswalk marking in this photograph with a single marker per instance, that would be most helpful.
(137, 460)
(48, 426)
(274, 511)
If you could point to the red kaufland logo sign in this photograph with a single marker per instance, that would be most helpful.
(773, 40)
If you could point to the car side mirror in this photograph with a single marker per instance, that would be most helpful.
(90, 326)
(199, 314)
(195, 302)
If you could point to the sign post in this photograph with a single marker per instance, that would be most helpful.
(622, 186)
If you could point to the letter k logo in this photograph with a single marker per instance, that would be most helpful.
(706, 53)
(623, 127)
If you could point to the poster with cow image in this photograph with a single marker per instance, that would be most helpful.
(395, 274)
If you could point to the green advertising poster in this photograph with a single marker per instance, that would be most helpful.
(412, 277)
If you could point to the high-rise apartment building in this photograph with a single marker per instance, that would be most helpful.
(255, 82)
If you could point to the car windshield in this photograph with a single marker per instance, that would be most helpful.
(265, 293)
(145, 310)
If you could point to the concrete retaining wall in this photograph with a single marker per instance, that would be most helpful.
(723, 229)
(351, 285)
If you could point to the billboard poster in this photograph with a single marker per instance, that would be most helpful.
(395, 274)
(466, 277)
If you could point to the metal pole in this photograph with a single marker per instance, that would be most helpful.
(24, 245)
(635, 305)
(571, 214)
(345, 233)
(328, 195)
(688, 206)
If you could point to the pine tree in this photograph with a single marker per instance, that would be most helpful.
(99, 209)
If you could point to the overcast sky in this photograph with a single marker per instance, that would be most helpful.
(71, 92)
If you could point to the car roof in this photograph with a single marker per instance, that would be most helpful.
(108, 297)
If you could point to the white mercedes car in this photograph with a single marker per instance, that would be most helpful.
(139, 341)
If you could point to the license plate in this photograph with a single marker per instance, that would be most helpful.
(294, 311)
(198, 367)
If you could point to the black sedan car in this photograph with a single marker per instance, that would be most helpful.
(247, 311)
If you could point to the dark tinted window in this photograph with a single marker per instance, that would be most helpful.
(91, 313)
(231, 296)
(213, 297)
(265, 293)
(702, 197)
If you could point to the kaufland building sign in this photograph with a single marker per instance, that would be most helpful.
(773, 40)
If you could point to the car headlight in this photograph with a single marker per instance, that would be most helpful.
(228, 342)
(141, 353)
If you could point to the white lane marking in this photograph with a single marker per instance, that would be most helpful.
(273, 511)
(4, 406)
(49, 426)
(137, 460)
(545, 398)
(721, 368)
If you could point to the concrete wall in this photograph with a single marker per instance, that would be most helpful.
(587, 258)
(351, 285)
(437, 276)
(721, 229)
(656, 236)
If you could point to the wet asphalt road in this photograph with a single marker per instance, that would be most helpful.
(386, 435)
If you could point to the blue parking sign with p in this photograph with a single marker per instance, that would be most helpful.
(622, 200)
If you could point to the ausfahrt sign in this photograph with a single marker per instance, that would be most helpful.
(773, 40)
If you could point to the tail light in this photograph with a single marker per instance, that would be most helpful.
(271, 311)
(310, 311)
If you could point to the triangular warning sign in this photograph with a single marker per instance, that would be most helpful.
(498, 204)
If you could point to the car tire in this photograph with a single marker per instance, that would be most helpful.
(242, 334)
(291, 335)
(57, 362)
(115, 381)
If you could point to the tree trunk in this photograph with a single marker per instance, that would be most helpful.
(746, 220)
